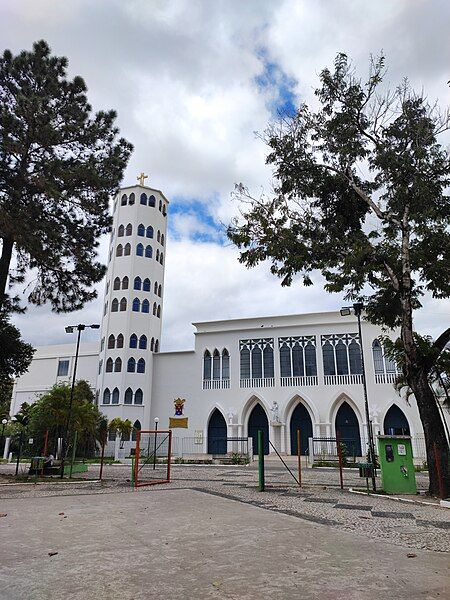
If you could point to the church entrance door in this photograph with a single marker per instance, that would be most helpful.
(301, 420)
(217, 434)
(258, 421)
(348, 428)
(395, 422)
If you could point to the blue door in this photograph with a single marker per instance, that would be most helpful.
(258, 421)
(395, 422)
(217, 434)
(301, 420)
(347, 427)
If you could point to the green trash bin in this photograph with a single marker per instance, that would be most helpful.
(396, 464)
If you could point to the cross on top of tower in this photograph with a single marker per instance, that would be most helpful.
(141, 178)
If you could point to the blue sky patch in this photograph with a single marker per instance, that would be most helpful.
(275, 81)
(208, 230)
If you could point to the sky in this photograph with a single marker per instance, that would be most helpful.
(193, 82)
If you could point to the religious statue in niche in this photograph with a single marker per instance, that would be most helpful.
(179, 405)
(275, 414)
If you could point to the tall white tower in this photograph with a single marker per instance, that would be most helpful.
(132, 312)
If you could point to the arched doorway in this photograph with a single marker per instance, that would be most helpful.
(347, 427)
(217, 433)
(395, 422)
(300, 419)
(258, 421)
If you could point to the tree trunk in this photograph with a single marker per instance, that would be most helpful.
(5, 260)
(434, 431)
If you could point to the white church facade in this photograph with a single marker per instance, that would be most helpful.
(278, 374)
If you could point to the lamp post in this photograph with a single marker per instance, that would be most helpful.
(156, 435)
(4, 423)
(346, 311)
(22, 420)
(70, 329)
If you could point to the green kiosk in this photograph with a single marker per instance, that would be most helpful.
(396, 464)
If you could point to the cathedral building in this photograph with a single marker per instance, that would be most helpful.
(278, 374)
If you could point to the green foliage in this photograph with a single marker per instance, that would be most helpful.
(59, 164)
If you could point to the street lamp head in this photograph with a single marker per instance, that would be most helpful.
(69, 329)
(156, 419)
(95, 326)
(4, 421)
(346, 311)
(358, 307)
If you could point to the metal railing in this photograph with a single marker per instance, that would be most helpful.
(196, 447)
(301, 381)
(258, 382)
(216, 384)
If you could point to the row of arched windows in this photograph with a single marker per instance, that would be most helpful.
(144, 307)
(133, 366)
(144, 200)
(142, 231)
(216, 366)
(140, 251)
(129, 397)
(381, 363)
(115, 305)
(135, 342)
(138, 284)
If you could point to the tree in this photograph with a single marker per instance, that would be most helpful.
(123, 427)
(360, 195)
(59, 164)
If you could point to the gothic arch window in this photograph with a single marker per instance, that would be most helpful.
(149, 231)
(111, 342)
(154, 309)
(225, 364)
(341, 358)
(137, 283)
(109, 365)
(152, 201)
(156, 288)
(145, 306)
(158, 312)
(383, 365)
(164, 210)
(138, 396)
(114, 305)
(115, 396)
(125, 283)
(162, 239)
(136, 305)
(127, 250)
(128, 397)
(121, 231)
(341, 354)
(160, 205)
(148, 252)
(119, 250)
(161, 256)
(143, 199)
(123, 304)
(143, 342)
(159, 290)
(257, 359)
(395, 422)
(207, 364)
(158, 237)
(131, 365)
(328, 359)
(140, 366)
(133, 340)
(354, 357)
(152, 344)
(106, 396)
(157, 255)
(131, 199)
(146, 286)
(141, 230)
(297, 356)
(118, 365)
(116, 284)
(129, 229)
(157, 346)
(123, 200)
(136, 427)
(119, 343)
(216, 364)
(139, 250)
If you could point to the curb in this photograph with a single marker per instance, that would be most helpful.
(397, 499)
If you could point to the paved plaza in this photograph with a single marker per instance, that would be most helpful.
(211, 534)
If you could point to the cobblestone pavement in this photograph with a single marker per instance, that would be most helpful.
(320, 500)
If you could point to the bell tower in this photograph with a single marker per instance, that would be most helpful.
(133, 303)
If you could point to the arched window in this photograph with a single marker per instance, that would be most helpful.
(115, 396)
(216, 364)
(328, 359)
(131, 199)
(145, 306)
(164, 210)
(154, 308)
(129, 229)
(268, 362)
(114, 305)
(285, 360)
(121, 231)
(117, 365)
(310, 360)
(138, 396)
(157, 255)
(155, 289)
(119, 250)
(137, 283)
(257, 371)
(152, 201)
(152, 344)
(161, 257)
(119, 343)
(133, 340)
(106, 396)
(128, 397)
(159, 290)
(139, 250)
(136, 305)
(148, 252)
(158, 312)
(354, 358)
(158, 237)
(125, 282)
(131, 365)
(146, 286)
(149, 231)
(160, 205)
(143, 342)
(162, 239)
(143, 199)
(297, 360)
(245, 363)
(127, 250)
(141, 366)
(225, 364)
(157, 346)
(341, 358)
(136, 427)
(123, 200)
(116, 284)
(109, 365)
(111, 342)
(141, 230)
(123, 305)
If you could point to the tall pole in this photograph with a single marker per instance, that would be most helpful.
(154, 449)
(358, 309)
(69, 414)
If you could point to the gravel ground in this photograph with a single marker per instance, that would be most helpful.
(320, 500)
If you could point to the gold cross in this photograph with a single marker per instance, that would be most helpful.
(141, 178)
